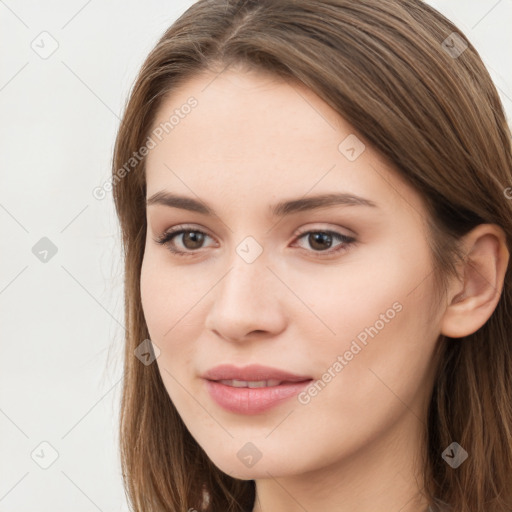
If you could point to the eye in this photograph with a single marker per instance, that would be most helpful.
(191, 242)
(321, 241)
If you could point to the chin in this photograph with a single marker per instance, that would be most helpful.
(240, 465)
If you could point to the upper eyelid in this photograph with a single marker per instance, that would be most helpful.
(298, 232)
(179, 229)
(347, 241)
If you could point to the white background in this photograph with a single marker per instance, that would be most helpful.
(61, 322)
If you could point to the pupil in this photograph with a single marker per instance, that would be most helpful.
(314, 237)
(195, 237)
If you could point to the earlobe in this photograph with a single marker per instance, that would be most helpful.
(474, 300)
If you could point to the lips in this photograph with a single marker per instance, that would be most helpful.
(252, 373)
(234, 383)
(252, 389)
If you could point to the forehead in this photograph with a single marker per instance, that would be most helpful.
(240, 111)
(255, 135)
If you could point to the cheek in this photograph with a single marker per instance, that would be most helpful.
(367, 290)
(171, 303)
(153, 296)
(375, 309)
(163, 306)
(384, 338)
(168, 295)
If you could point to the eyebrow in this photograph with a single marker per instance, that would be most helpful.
(280, 209)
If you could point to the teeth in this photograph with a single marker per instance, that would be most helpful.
(250, 384)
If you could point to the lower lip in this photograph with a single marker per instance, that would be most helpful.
(252, 400)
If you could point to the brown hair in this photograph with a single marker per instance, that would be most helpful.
(434, 113)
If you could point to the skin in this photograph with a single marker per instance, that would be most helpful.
(254, 140)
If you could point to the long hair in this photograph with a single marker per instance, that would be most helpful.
(413, 86)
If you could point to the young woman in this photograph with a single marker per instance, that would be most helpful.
(315, 199)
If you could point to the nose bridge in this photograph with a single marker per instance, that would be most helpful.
(246, 298)
(245, 284)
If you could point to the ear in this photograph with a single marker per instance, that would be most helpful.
(473, 299)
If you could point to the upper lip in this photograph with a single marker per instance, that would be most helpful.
(252, 372)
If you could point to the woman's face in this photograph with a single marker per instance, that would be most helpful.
(338, 293)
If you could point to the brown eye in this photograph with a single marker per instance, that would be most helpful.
(319, 240)
(192, 239)
(322, 241)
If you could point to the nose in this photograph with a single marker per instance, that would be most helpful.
(246, 303)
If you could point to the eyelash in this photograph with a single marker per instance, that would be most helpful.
(168, 236)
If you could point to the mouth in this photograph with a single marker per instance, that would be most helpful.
(252, 389)
(252, 383)
(252, 373)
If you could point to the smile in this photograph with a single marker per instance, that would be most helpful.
(252, 397)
